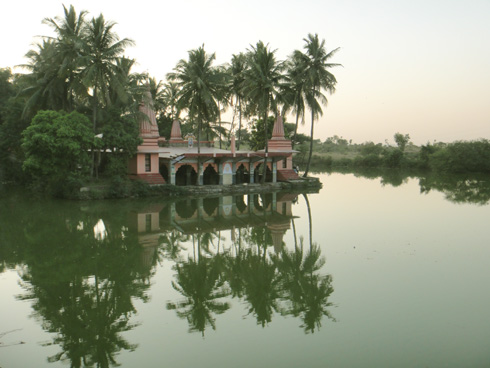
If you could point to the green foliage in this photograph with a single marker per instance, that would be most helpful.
(257, 134)
(120, 140)
(11, 126)
(369, 148)
(401, 140)
(56, 147)
(368, 160)
(460, 157)
(393, 157)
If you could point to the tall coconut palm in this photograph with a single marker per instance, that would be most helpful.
(236, 71)
(42, 87)
(318, 79)
(69, 30)
(199, 83)
(296, 83)
(169, 98)
(263, 77)
(101, 50)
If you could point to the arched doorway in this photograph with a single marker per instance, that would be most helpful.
(258, 174)
(210, 176)
(242, 175)
(185, 175)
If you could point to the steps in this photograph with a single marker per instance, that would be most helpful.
(152, 179)
(287, 174)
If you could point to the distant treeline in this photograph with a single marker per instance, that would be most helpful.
(456, 157)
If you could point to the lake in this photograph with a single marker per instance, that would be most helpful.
(372, 271)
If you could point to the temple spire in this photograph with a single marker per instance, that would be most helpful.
(148, 123)
(176, 134)
(278, 131)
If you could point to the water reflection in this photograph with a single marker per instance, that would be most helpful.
(457, 188)
(277, 281)
(83, 267)
(82, 285)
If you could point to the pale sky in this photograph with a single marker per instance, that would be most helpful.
(420, 67)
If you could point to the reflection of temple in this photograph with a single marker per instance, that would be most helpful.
(179, 161)
(207, 215)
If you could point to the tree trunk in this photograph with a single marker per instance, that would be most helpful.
(198, 151)
(219, 121)
(239, 123)
(94, 121)
(266, 150)
(295, 129)
(311, 144)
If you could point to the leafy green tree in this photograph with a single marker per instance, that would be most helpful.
(56, 147)
(263, 77)
(11, 126)
(462, 156)
(318, 79)
(120, 140)
(257, 136)
(401, 140)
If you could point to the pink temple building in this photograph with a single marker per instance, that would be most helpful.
(177, 160)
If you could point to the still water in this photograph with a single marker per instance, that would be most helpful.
(372, 271)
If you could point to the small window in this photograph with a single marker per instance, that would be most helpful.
(284, 163)
(147, 162)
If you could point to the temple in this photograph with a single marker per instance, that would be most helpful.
(180, 160)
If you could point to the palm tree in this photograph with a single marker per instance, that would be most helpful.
(101, 50)
(297, 81)
(170, 96)
(199, 83)
(263, 77)
(42, 87)
(318, 79)
(237, 70)
(68, 45)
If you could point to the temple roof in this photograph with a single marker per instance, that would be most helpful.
(278, 131)
(148, 122)
(176, 133)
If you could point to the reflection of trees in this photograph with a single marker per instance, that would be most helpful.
(171, 244)
(458, 188)
(81, 289)
(200, 283)
(261, 285)
(307, 291)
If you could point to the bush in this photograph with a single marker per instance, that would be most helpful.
(393, 158)
(139, 188)
(461, 157)
(371, 160)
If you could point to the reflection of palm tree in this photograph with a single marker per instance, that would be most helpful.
(310, 225)
(307, 291)
(200, 283)
(171, 244)
(262, 287)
